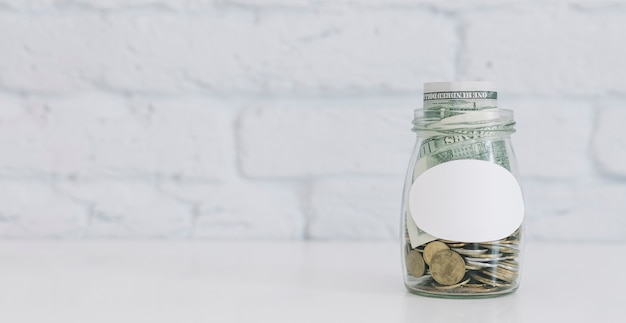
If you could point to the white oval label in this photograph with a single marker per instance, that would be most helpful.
(467, 200)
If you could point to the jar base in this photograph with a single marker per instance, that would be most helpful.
(459, 292)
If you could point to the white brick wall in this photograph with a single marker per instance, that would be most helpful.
(283, 119)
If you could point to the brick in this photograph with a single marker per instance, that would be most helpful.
(61, 54)
(31, 209)
(99, 135)
(552, 138)
(575, 51)
(355, 208)
(576, 211)
(85, 5)
(29, 147)
(367, 50)
(124, 209)
(242, 210)
(609, 144)
(230, 52)
(183, 138)
(455, 6)
(220, 4)
(302, 141)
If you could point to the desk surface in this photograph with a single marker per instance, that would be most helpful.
(208, 281)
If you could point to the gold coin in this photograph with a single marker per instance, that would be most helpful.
(478, 288)
(442, 287)
(507, 275)
(432, 248)
(453, 244)
(511, 251)
(509, 264)
(496, 275)
(415, 263)
(447, 267)
(487, 281)
(473, 267)
(491, 274)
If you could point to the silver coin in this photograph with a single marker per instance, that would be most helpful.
(501, 265)
(481, 264)
(500, 242)
(510, 263)
(502, 248)
(470, 252)
(488, 255)
(485, 259)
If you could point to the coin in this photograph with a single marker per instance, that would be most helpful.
(442, 287)
(415, 263)
(469, 252)
(487, 281)
(499, 242)
(478, 288)
(453, 244)
(475, 259)
(507, 275)
(510, 263)
(501, 274)
(469, 266)
(480, 264)
(432, 248)
(504, 248)
(507, 267)
(488, 256)
(507, 251)
(447, 267)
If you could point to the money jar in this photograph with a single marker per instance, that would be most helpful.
(462, 206)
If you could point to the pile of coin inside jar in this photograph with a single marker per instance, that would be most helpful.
(460, 267)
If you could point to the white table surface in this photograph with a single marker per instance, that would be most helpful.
(205, 281)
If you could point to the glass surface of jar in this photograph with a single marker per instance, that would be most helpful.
(462, 206)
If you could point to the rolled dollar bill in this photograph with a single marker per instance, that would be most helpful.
(464, 96)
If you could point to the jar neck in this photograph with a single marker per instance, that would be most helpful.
(453, 121)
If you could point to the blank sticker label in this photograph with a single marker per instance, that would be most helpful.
(468, 201)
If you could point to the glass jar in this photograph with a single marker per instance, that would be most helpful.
(462, 206)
